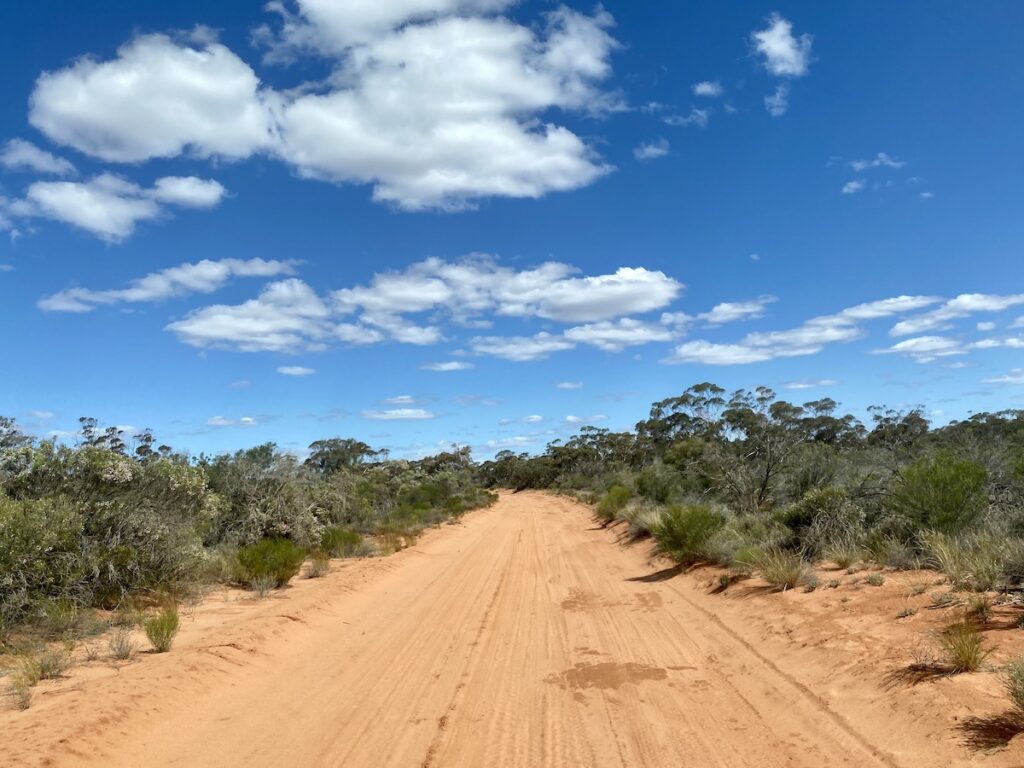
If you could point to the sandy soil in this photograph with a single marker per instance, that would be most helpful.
(527, 636)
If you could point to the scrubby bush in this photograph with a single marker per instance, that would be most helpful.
(684, 532)
(319, 566)
(941, 492)
(781, 569)
(1013, 682)
(276, 560)
(614, 499)
(121, 644)
(162, 628)
(341, 542)
(963, 647)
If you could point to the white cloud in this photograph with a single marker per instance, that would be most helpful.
(401, 400)
(783, 54)
(570, 419)
(853, 187)
(881, 160)
(1016, 376)
(453, 365)
(698, 117)
(521, 348)
(110, 206)
(533, 419)
(807, 339)
(810, 383)
(295, 370)
(777, 102)
(960, 307)
(399, 414)
(925, 349)
(287, 316)
(569, 385)
(652, 150)
(158, 98)
(927, 195)
(223, 421)
(21, 155)
(733, 311)
(986, 326)
(711, 88)
(615, 336)
(201, 277)
(42, 415)
(433, 106)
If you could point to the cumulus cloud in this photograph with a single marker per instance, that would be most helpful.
(287, 316)
(853, 187)
(962, 306)
(200, 277)
(521, 349)
(224, 421)
(399, 414)
(295, 370)
(571, 419)
(733, 311)
(810, 383)
(447, 367)
(21, 155)
(711, 88)
(881, 160)
(697, 117)
(807, 339)
(782, 54)
(110, 206)
(435, 103)
(615, 336)
(652, 150)
(777, 102)
(569, 385)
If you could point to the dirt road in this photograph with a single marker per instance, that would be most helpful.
(523, 637)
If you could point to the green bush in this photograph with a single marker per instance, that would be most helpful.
(341, 542)
(657, 483)
(684, 532)
(1013, 682)
(613, 501)
(941, 492)
(962, 646)
(781, 569)
(162, 628)
(277, 560)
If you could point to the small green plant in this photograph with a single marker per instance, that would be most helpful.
(28, 671)
(162, 628)
(614, 500)
(962, 647)
(918, 588)
(979, 608)
(781, 569)
(275, 559)
(121, 644)
(833, 584)
(262, 585)
(341, 542)
(906, 612)
(21, 693)
(1013, 682)
(811, 582)
(319, 566)
(683, 532)
(843, 554)
(944, 600)
(875, 579)
(53, 663)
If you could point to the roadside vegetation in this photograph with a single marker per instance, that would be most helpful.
(135, 529)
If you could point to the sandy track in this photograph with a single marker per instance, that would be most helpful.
(523, 637)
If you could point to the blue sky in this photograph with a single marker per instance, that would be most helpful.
(419, 222)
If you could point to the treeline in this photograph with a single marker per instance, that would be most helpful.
(93, 524)
(751, 481)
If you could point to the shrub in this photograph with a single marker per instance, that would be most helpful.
(341, 542)
(906, 612)
(162, 628)
(683, 532)
(657, 483)
(21, 693)
(1013, 682)
(961, 645)
(121, 644)
(276, 560)
(941, 492)
(944, 600)
(53, 663)
(319, 566)
(28, 671)
(875, 580)
(262, 585)
(979, 608)
(614, 499)
(976, 562)
(781, 569)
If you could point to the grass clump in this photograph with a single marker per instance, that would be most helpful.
(875, 579)
(162, 628)
(781, 569)
(273, 561)
(614, 499)
(319, 566)
(979, 608)
(906, 613)
(342, 542)
(53, 663)
(944, 599)
(962, 647)
(1013, 683)
(121, 644)
(683, 532)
